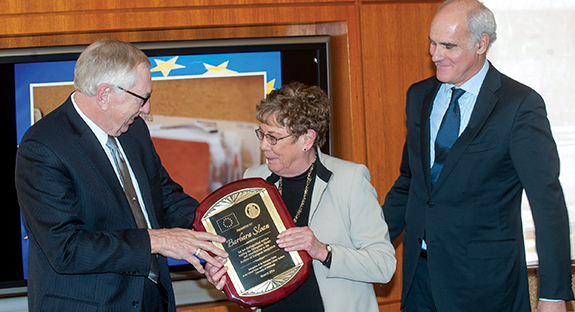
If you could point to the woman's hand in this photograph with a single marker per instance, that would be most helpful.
(302, 238)
(216, 275)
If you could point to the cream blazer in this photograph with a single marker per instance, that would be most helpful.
(345, 214)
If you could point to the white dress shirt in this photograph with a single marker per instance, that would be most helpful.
(103, 138)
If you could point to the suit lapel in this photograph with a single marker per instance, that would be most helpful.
(90, 146)
(484, 105)
(318, 189)
(320, 184)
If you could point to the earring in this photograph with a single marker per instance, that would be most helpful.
(305, 149)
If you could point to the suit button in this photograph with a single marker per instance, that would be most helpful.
(430, 204)
(135, 303)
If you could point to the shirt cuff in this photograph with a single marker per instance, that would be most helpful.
(553, 300)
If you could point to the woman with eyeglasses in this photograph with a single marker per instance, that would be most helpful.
(338, 219)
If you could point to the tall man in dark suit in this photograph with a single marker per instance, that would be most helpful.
(100, 210)
(457, 199)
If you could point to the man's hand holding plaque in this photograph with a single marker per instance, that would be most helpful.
(250, 214)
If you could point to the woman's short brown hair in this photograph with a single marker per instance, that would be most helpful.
(297, 107)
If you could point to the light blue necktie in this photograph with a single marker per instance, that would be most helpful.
(447, 134)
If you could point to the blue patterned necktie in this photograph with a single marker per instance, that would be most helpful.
(447, 134)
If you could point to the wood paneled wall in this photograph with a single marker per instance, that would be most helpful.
(379, 47)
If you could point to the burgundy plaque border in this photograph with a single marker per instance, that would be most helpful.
(229, 289)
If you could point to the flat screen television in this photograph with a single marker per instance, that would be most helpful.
(35, 80)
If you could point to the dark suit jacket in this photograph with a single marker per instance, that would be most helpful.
(86, 253)
(472, 219)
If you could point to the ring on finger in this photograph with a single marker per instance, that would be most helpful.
(197, 253)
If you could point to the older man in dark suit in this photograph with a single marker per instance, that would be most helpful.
(101, 212)
(475, 140)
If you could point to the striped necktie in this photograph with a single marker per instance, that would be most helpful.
(132, 197)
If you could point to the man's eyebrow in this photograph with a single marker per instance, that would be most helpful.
(447, 44)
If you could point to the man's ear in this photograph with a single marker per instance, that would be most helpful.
(103, 95)
(483, 44)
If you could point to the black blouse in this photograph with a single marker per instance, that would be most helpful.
(307, 297)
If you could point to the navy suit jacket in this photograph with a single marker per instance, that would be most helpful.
(86, 252)
(471, 221)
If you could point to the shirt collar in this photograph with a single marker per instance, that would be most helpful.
(100, 134)
(472, 85)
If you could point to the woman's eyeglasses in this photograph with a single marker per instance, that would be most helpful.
(270, 138)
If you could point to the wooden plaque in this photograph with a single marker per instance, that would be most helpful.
(250, 213)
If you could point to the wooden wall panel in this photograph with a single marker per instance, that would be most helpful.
(89, 21)
(55, 6)
(395, 54)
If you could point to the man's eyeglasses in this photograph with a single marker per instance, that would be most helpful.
(145, 99)
(270, 138)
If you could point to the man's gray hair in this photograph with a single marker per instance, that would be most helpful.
(107, 61)
(480, 20)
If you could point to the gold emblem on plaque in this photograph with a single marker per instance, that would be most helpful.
(252, 210)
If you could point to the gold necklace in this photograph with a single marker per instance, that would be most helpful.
(304, 192)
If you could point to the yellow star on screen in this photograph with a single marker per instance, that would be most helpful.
(166, 66)
(270, 86)
(220, 69)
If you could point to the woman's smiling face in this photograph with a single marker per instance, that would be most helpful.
(285, 158)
